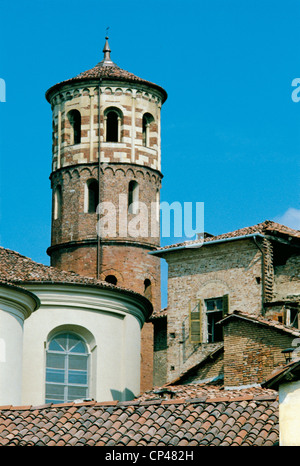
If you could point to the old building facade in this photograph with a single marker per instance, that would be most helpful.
(87, 335)
(254, 271)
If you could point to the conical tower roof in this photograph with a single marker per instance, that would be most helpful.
(106, 70)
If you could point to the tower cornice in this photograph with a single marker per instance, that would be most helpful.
(133, 166)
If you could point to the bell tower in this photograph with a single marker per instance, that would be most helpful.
(106, 177)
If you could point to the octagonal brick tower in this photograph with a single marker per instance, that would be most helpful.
(107, 152)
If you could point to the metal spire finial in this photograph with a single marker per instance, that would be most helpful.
(106, 50)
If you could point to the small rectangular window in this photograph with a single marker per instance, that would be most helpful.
(291, 317)
(216, 309)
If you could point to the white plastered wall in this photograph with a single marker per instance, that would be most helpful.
(109, 323)
(289, 414)
(15, 306)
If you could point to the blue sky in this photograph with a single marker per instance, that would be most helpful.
(230, 130)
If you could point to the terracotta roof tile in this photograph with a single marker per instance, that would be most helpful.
(18, 270)
(106, 73)
(265, 228)
(222, 420)
(263, 320)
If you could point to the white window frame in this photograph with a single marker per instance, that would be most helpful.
(66, 384)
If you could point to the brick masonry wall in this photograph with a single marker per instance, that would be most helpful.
(132, 102)
(74, 238)
(287, 278)
(233, 268)
(75, 224)
(212, 369)
(160, 352)
(252, 352)
(131, 265)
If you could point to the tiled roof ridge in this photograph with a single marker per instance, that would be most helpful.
(35, 263)
(111, 72)
(116, 403)
(160, 313)
(265, 227)
(265, 321)
(48, 274)
(12, 251)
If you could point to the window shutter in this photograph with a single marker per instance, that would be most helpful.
(195, 315)
(225, 304)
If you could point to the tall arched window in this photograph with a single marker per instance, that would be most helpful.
(92, 196)
(147, 120)
(133, 196)
(112, 126)
(74, 118)
(66, 369)
(57, 202)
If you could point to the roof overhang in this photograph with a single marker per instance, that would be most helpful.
(199, 244)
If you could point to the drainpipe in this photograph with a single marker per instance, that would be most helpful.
(99, 249)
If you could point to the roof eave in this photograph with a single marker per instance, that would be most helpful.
(203, 243)
(96, 81)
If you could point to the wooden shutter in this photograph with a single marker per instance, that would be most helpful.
(225, 304)
(195, 314)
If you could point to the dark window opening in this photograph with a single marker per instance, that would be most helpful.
(147, 120)
(133, 196)
(75, 122)
(57, 203)
(214, 313)
(93, 194)
(145, 130)
(112, 127)
(294, 318)
(147, 289)
(111, 279)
